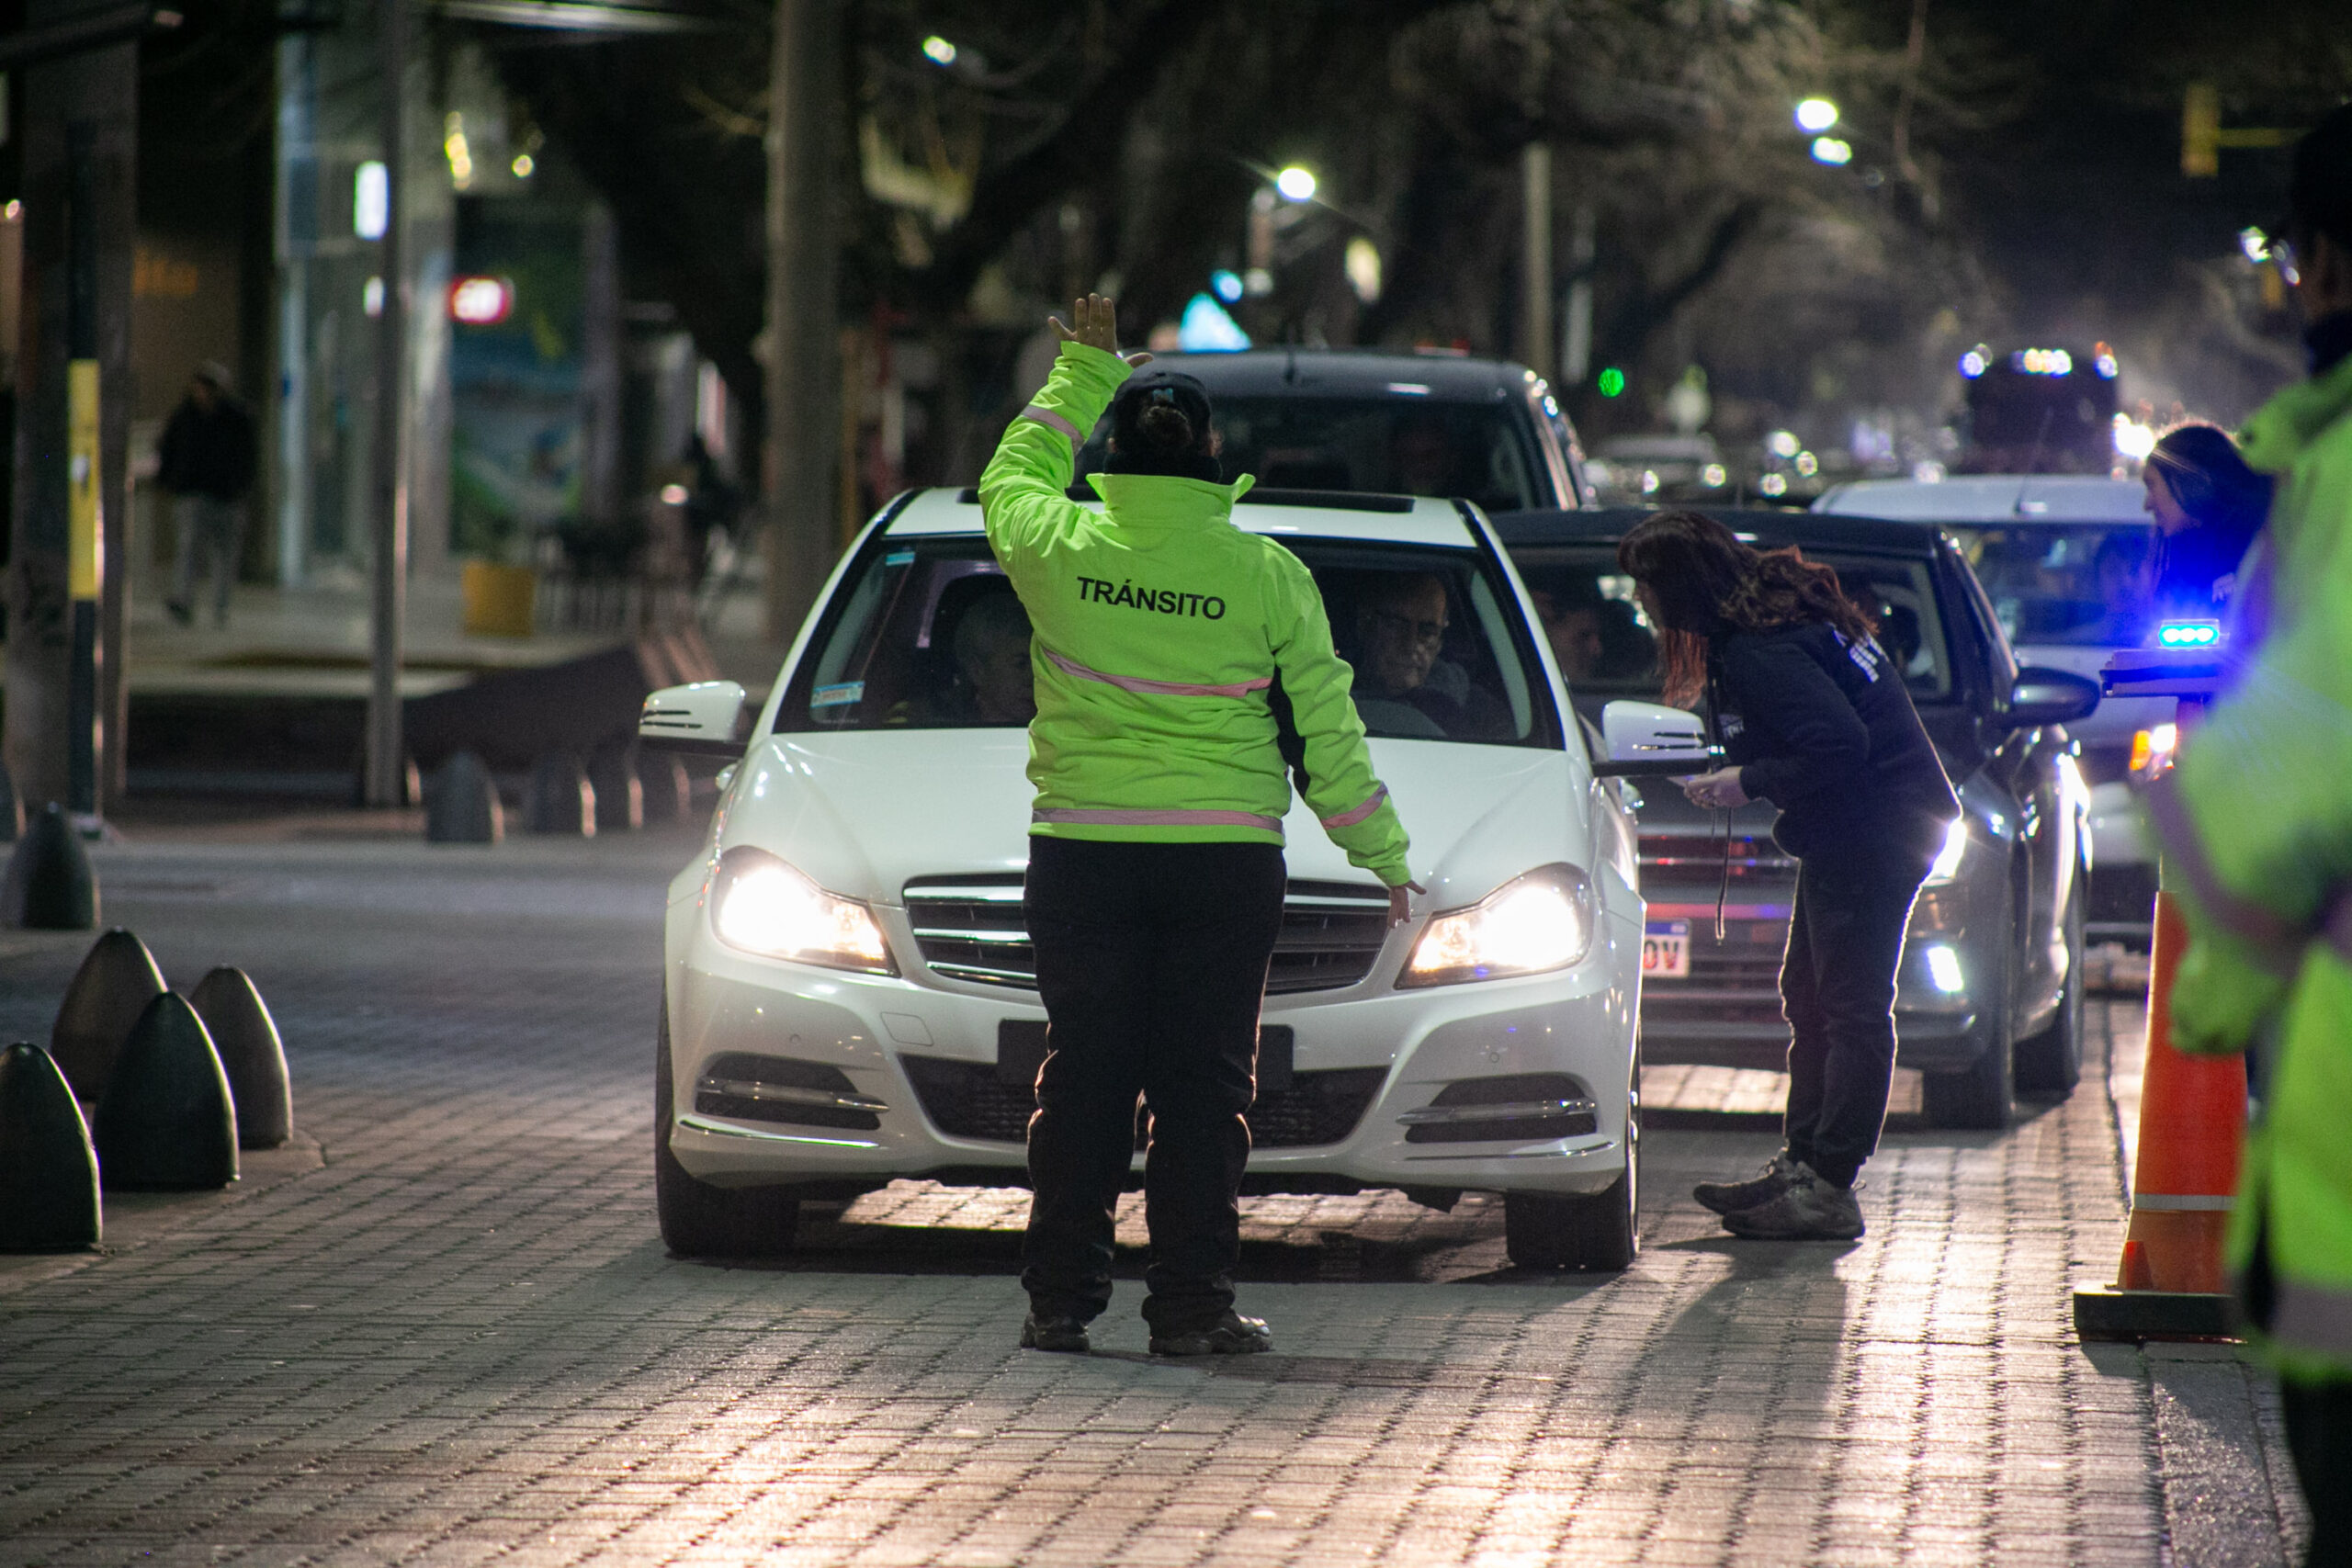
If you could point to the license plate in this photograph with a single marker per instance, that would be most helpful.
(1665, 950)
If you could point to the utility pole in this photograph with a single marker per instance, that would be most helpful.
(387, 777)
(807, 157)
(1576, 332)
(1536, 313)
(72, 397)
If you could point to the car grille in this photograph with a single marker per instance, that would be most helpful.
(966, 1099)
(970, 927)
(1736, 981)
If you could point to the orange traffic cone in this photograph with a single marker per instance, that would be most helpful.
(2192, 1120)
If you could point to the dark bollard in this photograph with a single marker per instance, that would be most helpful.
(167, 1123)
(669, 790)
(12, 809)
(50, 886)
(245, 1037)
(620, 799)
(49, 1175)
(462, 806)
(113, 986)
(561, 801)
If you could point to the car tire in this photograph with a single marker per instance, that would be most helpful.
(2052, 1062)
(698, 1219)
(1600, 1232)
(1983, 1095)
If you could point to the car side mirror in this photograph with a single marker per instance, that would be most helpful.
(705, 717)
(2048, 697)
(1650, 738)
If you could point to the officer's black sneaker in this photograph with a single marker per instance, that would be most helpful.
(1232, 1335)
(1730, 1197)
(1054, 1333)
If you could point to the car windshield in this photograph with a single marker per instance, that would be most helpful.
(928, 635)
(2092, 585)
(1606, 649)
(1401, 445)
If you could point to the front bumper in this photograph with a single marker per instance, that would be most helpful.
(921, 1051)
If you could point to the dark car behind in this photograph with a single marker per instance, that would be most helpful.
(1988, 997)
(1435, 425)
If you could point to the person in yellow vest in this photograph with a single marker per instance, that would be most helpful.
(2256, 828)
(1161, 636)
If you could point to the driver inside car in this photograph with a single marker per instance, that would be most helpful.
(1403, 686)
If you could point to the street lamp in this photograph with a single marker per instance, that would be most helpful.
(1295, 183)
(1815, 116)
(1829, 149)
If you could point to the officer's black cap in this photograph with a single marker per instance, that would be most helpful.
(1147, 387)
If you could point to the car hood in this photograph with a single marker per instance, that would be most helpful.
(862, 813)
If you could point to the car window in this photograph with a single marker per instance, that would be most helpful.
(2091, 585)
(1400, 445)
(927, 634)
(1606, 647)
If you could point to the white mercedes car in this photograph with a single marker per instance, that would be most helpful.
(849, 995)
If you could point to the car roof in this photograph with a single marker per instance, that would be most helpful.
(1763, 525)
(1311, 513)
(2007, 499)
(1348, 372)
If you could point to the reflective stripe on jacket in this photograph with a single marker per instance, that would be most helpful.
(2256, 826)
(1160, 629)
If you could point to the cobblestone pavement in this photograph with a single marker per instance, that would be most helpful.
(451, 1336)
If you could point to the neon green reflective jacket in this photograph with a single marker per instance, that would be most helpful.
(2256, 826)
(1160, 629)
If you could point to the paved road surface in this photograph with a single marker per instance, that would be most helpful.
(444, 1331)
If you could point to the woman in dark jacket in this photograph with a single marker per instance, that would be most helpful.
(1813, 717)
(2208, 505)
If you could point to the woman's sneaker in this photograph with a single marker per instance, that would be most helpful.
(1730, 1197)
(1807, 1209)
(1232, 1335)
(1053, 1332)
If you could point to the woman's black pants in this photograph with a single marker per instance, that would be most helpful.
(1838, 992)
(1151, 961)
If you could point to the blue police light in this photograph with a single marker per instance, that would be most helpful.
(1972, 364)
(2188, 634)
(1226, 285)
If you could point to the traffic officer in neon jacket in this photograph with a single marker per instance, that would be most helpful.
(2256, 826)
(1164, 640)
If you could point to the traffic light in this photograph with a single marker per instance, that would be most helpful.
(2202, 137)
(2200, 131)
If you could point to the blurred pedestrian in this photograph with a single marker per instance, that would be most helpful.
(1814, 719)
(2255, 822)
(208, 460)
(2208, 504)
(1155, 874)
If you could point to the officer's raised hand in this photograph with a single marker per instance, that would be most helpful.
(1098, 327)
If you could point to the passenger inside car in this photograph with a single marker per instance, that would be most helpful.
(1572, 626)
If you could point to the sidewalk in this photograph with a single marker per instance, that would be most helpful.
(460, 1341)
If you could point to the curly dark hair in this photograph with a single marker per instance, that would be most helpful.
(1704, 581)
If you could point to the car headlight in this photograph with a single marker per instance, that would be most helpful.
(1538, 921)
(1946, 868)
(760, 905)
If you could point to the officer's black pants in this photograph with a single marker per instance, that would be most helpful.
(1151, 961)
(1838, 992)
(2319, 1434)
